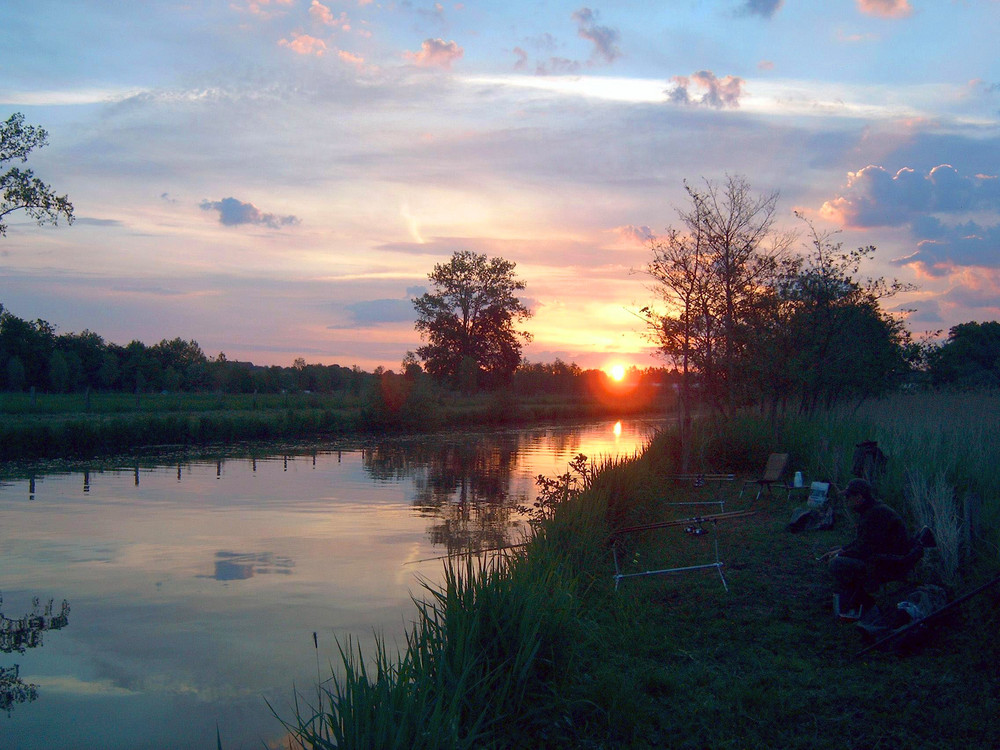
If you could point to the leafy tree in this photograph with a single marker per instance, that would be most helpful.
(15, 374)
(182, 363)
(85, 353)
(468, 321)
(19, 188)
(837, 341)
(970, 358)
(109, 372)
(139, 369)
(31, 342)
(58, 372)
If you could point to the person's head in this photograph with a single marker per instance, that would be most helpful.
(859, 493)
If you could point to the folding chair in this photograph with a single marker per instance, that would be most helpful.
(772, 476)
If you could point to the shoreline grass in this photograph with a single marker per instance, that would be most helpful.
(676, 660)
(75, 426)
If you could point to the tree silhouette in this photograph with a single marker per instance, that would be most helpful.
(16, 636)
(19, 188)
(468, 320)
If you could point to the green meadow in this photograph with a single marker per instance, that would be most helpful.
(540, 648)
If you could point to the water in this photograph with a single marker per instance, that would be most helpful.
(193, 589)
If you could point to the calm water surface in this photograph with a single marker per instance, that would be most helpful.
(193, 589)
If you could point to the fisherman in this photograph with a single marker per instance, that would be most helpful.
(862, 565)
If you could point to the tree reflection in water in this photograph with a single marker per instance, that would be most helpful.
(239, 566)
(18, 635)
(463, 483)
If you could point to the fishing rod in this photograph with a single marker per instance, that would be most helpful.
(900, 631)
(687, 521)
(469, 552)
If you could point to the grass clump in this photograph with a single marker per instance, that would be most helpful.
(493, 641)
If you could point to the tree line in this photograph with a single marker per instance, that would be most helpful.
(34, 355)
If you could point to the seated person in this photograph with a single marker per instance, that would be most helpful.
(868, 561)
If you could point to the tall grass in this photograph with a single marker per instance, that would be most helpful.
(942, 448)
(934, 505)
(483, 644)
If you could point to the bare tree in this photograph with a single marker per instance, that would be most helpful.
(713, 275)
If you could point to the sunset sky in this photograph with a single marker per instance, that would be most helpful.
(275, 179)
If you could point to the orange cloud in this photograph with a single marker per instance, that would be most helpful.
(886, 8)
(303, 44)
(435, 53)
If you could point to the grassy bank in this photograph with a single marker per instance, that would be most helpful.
(89, 425)
(539, 649)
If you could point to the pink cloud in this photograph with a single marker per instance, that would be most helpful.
(886, 8)
(262, 8)
(522, 58)
(322, 14)
(435, 53)
(632, 234)
(718, 92)
(976, 287)
(604, 38)
(351, 59)
(303, 44)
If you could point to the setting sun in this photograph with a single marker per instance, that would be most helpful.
(617, 372)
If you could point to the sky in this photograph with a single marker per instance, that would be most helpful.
(276, 178)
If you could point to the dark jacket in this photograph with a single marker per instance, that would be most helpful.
(880, 532)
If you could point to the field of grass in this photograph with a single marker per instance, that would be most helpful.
(539, 648)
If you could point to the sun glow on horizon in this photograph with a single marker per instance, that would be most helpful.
(617, 372)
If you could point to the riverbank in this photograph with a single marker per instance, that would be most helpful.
(541, 649)
(85, 426)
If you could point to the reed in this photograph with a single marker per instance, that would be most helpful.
(934, 505)
(487, 644)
